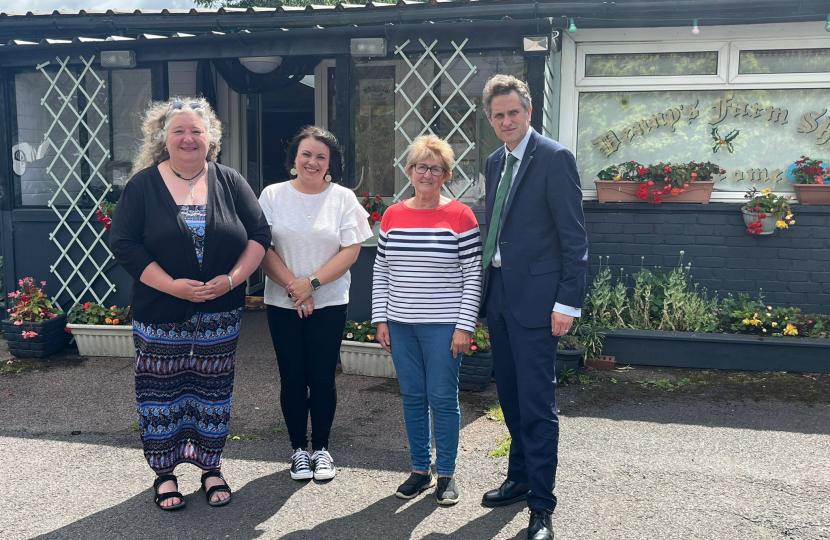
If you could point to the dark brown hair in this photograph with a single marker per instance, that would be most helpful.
(325, 137)
(501, 85)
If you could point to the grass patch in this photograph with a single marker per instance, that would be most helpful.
(495, 413)
(502, 447)
(19, 365)
(664, 384)
(134, 426)
(279, 430)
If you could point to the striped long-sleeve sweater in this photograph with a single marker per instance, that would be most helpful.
(428, 267)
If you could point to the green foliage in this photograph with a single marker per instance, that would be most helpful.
(570, 342)
(31, 304)
(495, 413)
(360, 331)
(92, 313)
(502, 447)
(565, 378)
(664, 384)
(479, 341)
(744, 316)
(766, 202)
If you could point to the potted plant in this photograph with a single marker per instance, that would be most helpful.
(376, 208)
(569, 351)
(665, 182)
(477, 362)
(811, 181)
(35, 327)
(764, 211)
(100, 331)
(360, 354)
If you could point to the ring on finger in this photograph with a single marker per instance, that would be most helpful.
(303, 306)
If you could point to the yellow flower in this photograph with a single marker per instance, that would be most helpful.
(766, 191)
(790, 330)
(764, 330)
(746, 322)
(617, 178)
(774, 324)
(789, 216)
(236, 437)
(370, 337)
(792, 222)
(781, 224)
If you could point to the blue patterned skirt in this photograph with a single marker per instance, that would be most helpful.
(184, 386)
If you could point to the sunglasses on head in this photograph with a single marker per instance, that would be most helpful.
(179, 105)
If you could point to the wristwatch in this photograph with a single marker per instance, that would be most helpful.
(315, 283)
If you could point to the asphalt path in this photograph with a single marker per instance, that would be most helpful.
(722, 455)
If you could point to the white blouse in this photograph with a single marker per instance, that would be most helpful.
(307, 231)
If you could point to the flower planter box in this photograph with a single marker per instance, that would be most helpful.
(767, 224)
(568, 359)
(718, 351)
(104, 339)
(475, 372)
(50, 339)
(625, 191)
(366, 359)
(812, 193)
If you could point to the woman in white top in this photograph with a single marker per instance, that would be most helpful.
(316, 227)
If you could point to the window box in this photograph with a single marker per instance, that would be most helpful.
(367, 359)
(624, 191)
(104, 339)
(810, 194)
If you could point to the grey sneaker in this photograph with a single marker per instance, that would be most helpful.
(323, 465)
(415, 484)
(301, 465)
(447, 492)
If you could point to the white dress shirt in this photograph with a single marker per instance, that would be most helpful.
(519, 153)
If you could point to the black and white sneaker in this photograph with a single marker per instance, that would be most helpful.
(447, 492)
(301, 465)
(415, 484)
(323, 465)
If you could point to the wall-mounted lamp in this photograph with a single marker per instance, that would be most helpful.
(375, 47)
(695, 29)
(572, 25)
(118, 59)
(536, 44)
(261, 64)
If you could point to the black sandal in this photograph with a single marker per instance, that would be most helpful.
(210, 491)
(160, 497)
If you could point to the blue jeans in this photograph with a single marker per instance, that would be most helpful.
(428, 376)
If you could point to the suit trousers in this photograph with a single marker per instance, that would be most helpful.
(524, 360)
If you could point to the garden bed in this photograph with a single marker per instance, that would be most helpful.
(718, 351)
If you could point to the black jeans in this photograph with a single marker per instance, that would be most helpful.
(307, 350)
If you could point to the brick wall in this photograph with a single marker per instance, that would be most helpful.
(792, 266)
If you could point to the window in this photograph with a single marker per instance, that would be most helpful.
(784, 61)
(125, 94)
(385, 120)
(753, 134)
(651, 64)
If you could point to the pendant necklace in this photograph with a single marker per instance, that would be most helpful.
(189, 180)
(313, 207)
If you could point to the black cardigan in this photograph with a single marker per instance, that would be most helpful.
(147, 227)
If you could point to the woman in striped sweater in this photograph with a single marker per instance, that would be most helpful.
(425, 298)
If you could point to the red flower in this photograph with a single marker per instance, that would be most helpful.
(365, 194)
(642, 171)
(375, 216)
(377, 196)
(658, 198)
(762, 216)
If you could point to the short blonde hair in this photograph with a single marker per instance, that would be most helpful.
(156, 122)
(501, 85)
(430, 146)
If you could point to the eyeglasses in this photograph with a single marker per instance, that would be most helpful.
(179, 105)
(434, 171)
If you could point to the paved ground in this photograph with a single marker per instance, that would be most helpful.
(724, 455)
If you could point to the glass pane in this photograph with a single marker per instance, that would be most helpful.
(755, 135)
(130, 90)
(651, 64)
(785, 61)
(31, 153)
(460, 120)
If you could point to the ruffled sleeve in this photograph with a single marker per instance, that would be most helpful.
(354, 225)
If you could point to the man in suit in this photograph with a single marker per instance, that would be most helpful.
(535, 258)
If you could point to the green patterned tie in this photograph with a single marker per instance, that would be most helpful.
(498, 206)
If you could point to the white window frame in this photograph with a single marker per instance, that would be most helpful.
(728, 40)
(583, 51)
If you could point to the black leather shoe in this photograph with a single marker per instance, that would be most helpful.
(508, 493)
(540, 527)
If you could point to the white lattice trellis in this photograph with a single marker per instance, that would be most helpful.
(92, 120)
(426, 124)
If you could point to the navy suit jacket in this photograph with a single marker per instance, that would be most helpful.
(543, 244)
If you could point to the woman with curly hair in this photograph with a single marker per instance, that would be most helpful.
(189, 231)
